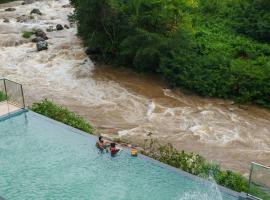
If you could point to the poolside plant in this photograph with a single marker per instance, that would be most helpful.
(27, 34)
(197, 165)
(61, 114)
(3, 97)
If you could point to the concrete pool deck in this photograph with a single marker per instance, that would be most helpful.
(6, 108)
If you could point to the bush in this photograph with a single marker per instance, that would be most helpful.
(27, 34)
(58, 113)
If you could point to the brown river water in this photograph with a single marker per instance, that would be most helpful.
(122, 104)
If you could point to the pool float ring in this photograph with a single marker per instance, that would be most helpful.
(134, 152)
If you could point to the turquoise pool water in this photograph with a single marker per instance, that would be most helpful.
(42, 159)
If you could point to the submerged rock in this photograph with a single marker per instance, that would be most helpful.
(35, 11)
(6, 20)
(10, 9)
(28, 2)
(42, 45)
(59, 27)
(50, 29)
(22, 18)
(41, 33)
(66, 6)
(243, 107)
(37, 39)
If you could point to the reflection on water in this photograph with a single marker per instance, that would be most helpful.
(120, 102)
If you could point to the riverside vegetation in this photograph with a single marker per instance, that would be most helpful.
(189, 162)
(58, 113)
(211, 47)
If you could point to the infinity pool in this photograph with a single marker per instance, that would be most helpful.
(43, 159)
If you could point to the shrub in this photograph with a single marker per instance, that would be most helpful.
(27, 34)
(58, 113)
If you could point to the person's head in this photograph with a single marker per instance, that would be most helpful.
(112, 145)
(100, 138)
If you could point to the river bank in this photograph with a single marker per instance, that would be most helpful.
(122, 104)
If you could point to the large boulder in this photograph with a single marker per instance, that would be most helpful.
(59, 27)
(35, 11)
(10, 9)
(42, 45)
(41, 33)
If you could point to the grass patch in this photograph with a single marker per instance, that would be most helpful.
(61, 114)
(27, 34)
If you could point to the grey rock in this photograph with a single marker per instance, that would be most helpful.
(10, 9)
(37, 39)
(42, 45)
(59, 27)
(35, 11)
(41, 33)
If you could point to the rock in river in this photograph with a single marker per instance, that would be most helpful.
(41, 33)
(35, 11)
(42, 45)
(6, 20)
(37, 39)
(10, 9)
(59, 27)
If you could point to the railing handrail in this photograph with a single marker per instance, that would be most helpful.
(10, 81)
(260, 165)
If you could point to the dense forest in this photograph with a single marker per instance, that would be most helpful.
(214, 48)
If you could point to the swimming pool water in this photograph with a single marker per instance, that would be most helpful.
(43, 159)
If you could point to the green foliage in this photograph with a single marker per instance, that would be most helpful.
(27, 34)
(197, 165)
(253, 19)
(58, 113)
(3, 96)
(202, 45)
(5, 1)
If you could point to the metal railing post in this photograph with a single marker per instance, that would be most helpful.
(5, 86)
(23, 96)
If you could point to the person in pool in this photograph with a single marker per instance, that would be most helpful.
(113, 149)
(101, 144)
